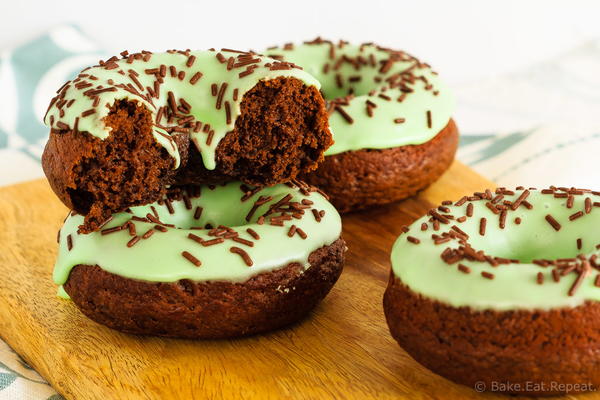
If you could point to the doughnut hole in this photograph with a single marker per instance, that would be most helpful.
(98, 177)
(526, 242)
(526, 248)
(227, 209)
(282, 130)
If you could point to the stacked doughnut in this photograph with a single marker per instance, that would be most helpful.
(390, 116)
(187, 218)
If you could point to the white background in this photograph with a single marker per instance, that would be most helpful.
(463, 39)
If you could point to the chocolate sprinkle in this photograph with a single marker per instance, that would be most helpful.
(469, 210)
(464, 268)
(344, 114)
(520, 200)
(69, 242)
(253, 233)
(160, 228)
(198, 212)
(588, 205)
(579, 280)
(195, 78)
(553, 222)
(540, 278)
(133, 241)
(111, 230)
(578, 214)
(316, 215)
(503, 219)
(413, 239)
(482, 225)
(487, 275)
(196, 238)
(292, 231)
(191, 258)
(148, 233)
(212, 242)
(302, 234)
(243, 254)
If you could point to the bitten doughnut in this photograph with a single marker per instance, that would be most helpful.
(390, 116)
(121, 131)
(215, 262)
(502, 290)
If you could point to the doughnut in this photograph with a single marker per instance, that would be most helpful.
(205, 262)
(500, 290)
(390, 116)
(120, 132)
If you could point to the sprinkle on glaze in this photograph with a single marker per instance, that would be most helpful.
(378, 98)
(521, 249)
(240, 233)
(199, 92)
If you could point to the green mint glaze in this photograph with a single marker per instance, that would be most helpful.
(72, 101)
(421, 268)
(364, 62)
(159, 257)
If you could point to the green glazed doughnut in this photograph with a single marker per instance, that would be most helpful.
(230, 241)
(503, 286)
(380, 101)
(519, 245)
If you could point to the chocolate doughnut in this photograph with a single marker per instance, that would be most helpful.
(390, 116)
(208, 262)
(121, 131)
(501, 290)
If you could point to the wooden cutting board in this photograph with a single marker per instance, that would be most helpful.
(342, 350)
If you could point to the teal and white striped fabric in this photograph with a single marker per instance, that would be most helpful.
(537, 127)
(19, 381)
(29, 77)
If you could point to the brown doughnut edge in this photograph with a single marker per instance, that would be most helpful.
(360, 179)
(530, 349)
(282, 130)
(207, 310)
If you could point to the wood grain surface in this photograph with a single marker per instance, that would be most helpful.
(343, 350)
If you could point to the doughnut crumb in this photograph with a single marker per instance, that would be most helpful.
(99, 177)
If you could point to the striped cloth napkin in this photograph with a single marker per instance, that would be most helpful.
(536, 127)
(29, 77)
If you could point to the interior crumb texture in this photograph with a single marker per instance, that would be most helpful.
(282, 130)
(128, 168)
